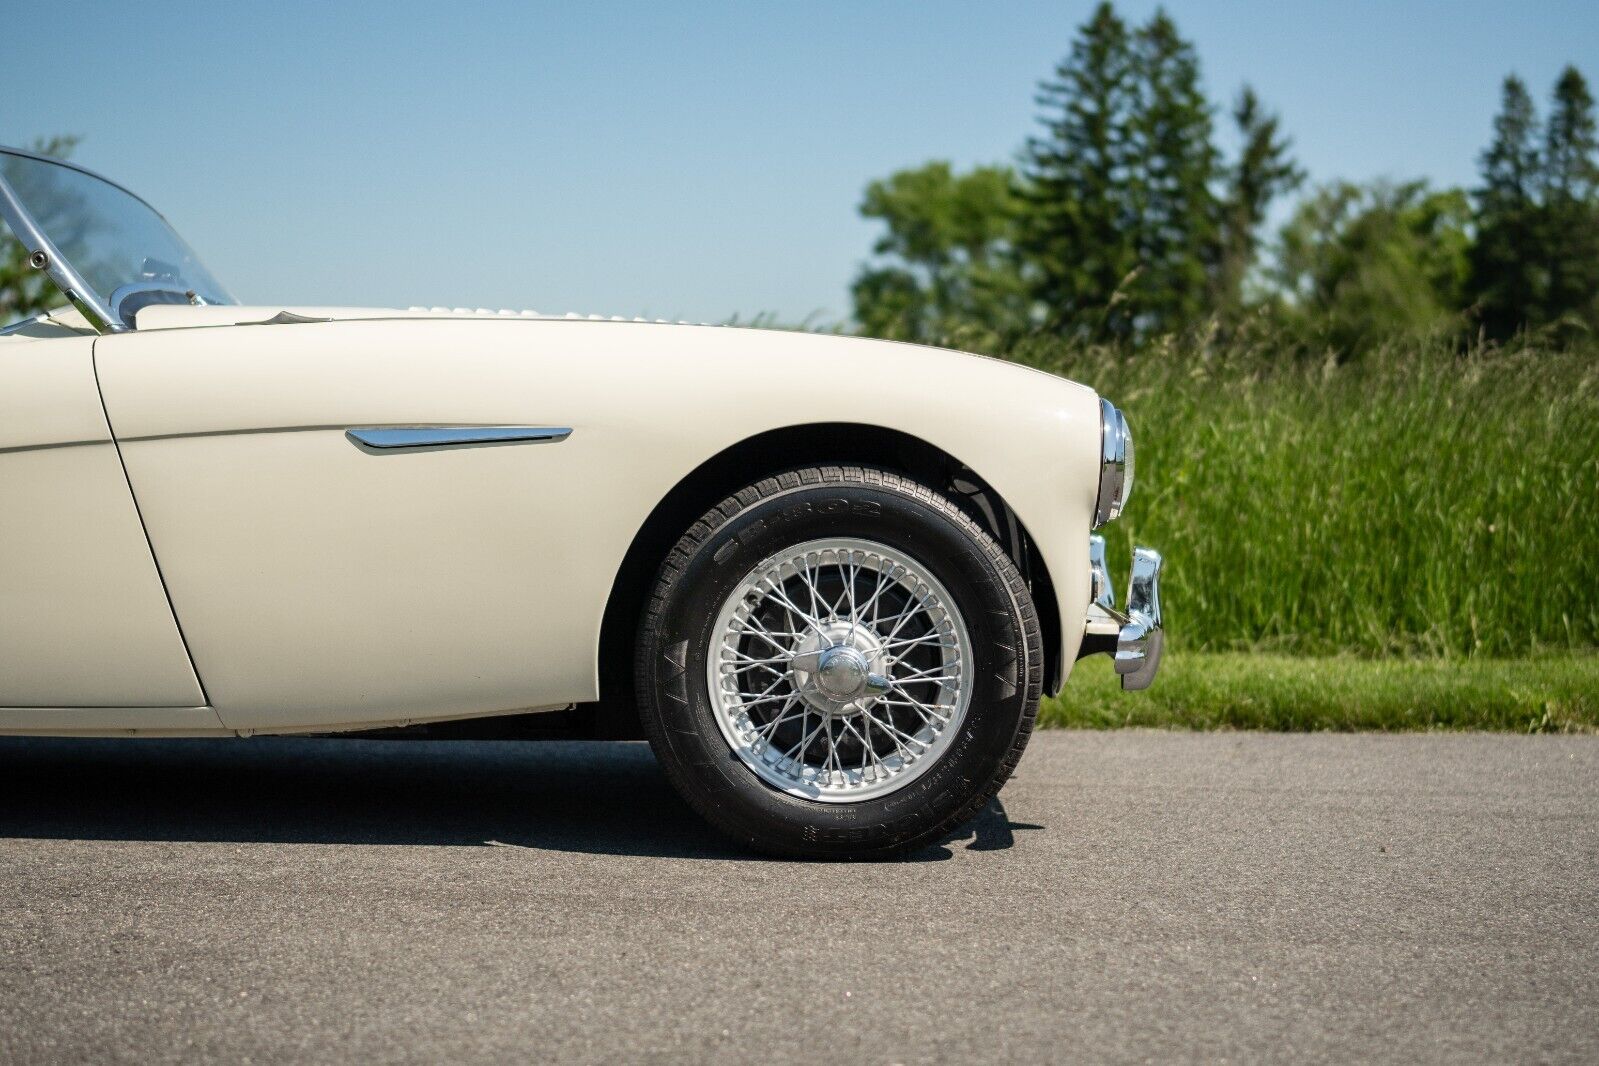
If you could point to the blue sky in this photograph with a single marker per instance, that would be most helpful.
(682, 160)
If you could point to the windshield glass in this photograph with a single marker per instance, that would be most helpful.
(107, 236)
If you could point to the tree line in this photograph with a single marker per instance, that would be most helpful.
(1124, 221)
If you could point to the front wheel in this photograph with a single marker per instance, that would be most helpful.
(838, 663)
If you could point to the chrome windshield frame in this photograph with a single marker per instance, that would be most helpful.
(44, 255)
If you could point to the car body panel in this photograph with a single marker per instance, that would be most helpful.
(322, 584)
(84, 620)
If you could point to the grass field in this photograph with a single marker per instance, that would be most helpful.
(1242, 690)
(1406, 542)
(1419, 503)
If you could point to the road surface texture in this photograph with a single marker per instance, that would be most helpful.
(1136, 896)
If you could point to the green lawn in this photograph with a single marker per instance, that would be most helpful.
(1239, 690)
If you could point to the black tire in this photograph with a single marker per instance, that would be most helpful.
(676, 636)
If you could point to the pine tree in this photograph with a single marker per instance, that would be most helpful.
(1175, 164)
(1079, 242)
(1571, 207)
(1263, 171)
(1507, 284)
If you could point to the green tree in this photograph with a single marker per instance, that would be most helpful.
(1507, 273)
(1123, 236)
(25, 291)
(1571, 207)
(1361, 265)
(1263, 171)
(1176, 219)
(1079, 238)
(949, 273)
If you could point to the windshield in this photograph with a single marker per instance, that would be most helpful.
(98, 237)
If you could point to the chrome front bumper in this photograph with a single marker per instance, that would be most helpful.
(1134, 638)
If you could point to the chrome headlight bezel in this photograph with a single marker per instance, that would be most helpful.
(1116, 463)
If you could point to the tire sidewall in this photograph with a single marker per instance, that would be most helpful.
(692, 744)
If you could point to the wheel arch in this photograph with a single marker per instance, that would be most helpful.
(771, 452)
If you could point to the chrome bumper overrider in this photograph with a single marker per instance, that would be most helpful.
(1134, 638)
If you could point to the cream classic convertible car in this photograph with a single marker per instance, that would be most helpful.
(827, 577)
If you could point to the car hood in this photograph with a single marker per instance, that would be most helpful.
(182, 316)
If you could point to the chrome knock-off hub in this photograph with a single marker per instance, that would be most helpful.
(839, 668)
(841, 673)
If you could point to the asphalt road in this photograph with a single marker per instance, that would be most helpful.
(1136, 896)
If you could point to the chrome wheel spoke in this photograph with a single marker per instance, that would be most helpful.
(930, 638)
(900, 739)
(840, 670)
(928, 713)
(734, 655)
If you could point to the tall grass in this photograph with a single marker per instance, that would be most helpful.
(1417, 501)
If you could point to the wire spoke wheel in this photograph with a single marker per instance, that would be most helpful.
(838, 663)
(841, 670)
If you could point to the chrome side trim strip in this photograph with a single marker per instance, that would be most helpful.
(453, 436)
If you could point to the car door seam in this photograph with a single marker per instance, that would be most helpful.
(155, 559)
